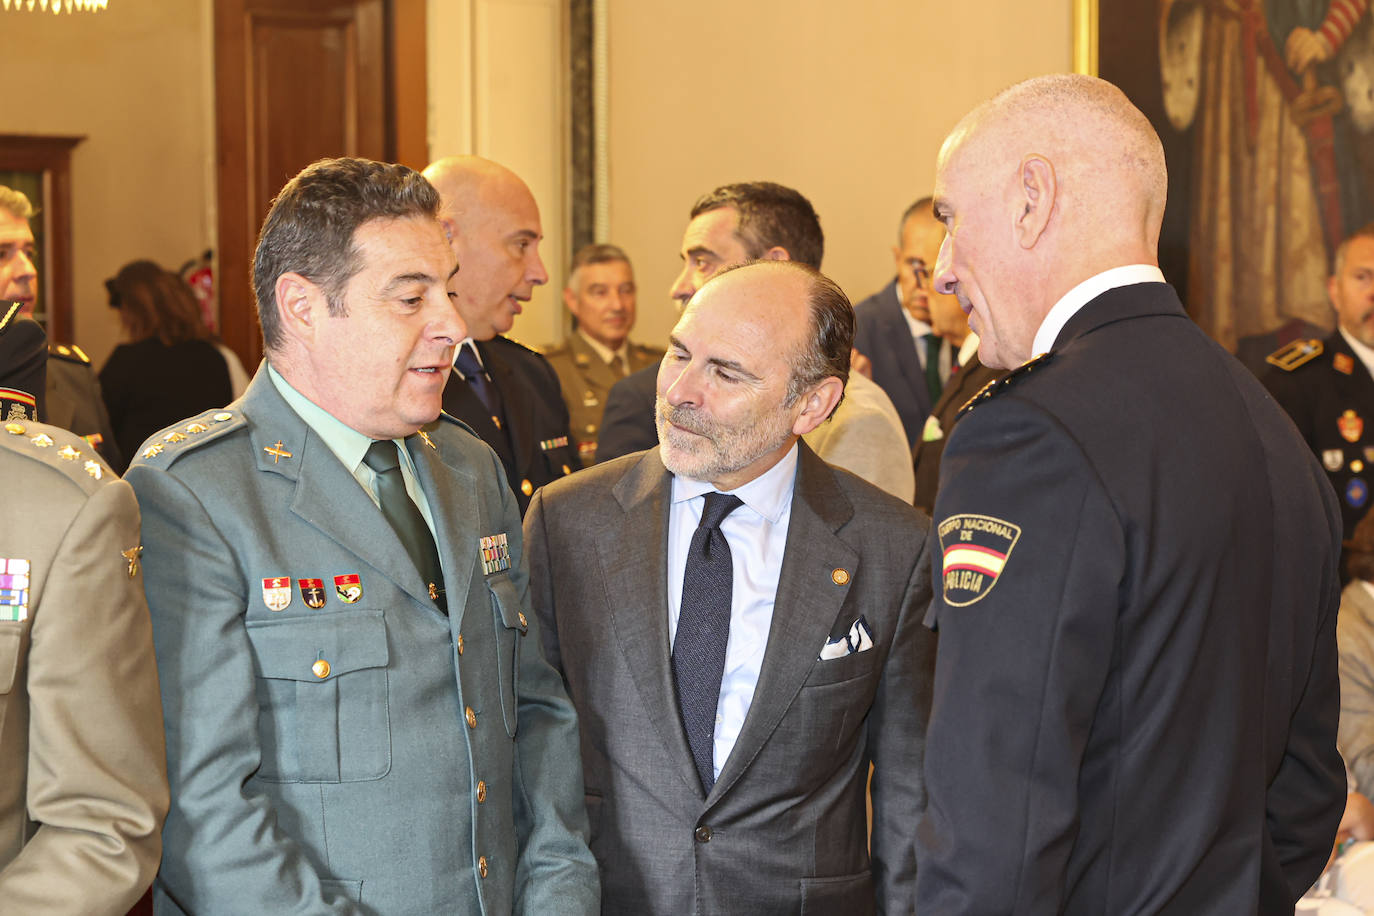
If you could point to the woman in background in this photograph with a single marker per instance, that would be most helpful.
(170, 368)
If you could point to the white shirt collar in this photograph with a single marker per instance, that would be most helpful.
(1365, 354)
(968, 348)
(767, 494)
(1085, 292)
(603, 351)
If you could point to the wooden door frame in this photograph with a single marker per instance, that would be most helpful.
(53, 157)
(406, 141)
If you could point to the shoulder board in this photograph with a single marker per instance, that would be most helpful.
(166, 446)
(549, 350)
(7, 315)
(62, 451)
(645, 348)
(511, 340)
(69, 352)
(1295, 353)
(998, 385)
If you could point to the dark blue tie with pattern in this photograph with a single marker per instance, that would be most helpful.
(703, 630)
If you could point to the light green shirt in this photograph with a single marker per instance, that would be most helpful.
(349, 446)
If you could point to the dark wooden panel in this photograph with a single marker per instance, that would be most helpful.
(296, 81)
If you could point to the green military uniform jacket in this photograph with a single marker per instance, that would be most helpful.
(585, 379)
(83, 786)
(336, 744)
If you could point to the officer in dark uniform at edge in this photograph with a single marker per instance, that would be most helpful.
(72, 395)
(1327, 386)
(504, 390)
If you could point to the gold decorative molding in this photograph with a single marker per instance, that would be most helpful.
(1085, 37)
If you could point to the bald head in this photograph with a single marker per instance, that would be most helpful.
(1045, 185)
(493, 224)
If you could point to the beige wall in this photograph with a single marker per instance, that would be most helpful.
(847, 103)
(135, 80)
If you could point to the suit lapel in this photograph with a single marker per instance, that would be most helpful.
(634, 570)
(804, 611)
(326, 495)
(515, 399)
(451, 490)
(905, 345)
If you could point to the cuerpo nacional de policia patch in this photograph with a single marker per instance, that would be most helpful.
(975, 550)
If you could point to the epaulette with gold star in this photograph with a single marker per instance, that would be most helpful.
(166, 446)
(519, 343)
(1295, 353)
(59, 449)
(998, 385)
(68, 353)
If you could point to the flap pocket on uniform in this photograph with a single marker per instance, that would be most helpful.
(322, 696)
(510, 626)
(11, 636)
(845, 895)
(348, 641)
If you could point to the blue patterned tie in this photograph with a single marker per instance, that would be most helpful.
(481, 383)
(703, 631)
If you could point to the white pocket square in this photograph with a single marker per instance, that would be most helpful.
(858, 639)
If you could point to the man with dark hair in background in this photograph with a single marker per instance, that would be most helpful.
(600, 295)
(339, 601)
(911, 359)
(735, 688)
(764, 221)
(504, 390)
(72, 395)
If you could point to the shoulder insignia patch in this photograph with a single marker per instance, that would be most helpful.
(974, 550)
(519, 343)
(998, 385)
(69, 353)
(1343, 364)
(10, 313)
(1295, 353)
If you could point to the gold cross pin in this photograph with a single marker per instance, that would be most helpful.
(276, 451)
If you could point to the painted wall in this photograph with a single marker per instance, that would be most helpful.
(848, 104)
(136, 81)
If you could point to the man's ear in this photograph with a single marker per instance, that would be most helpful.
(776, 253)
(1333, 283)
(297, 299)
(570, 300)
(818, 404)
(1037, 187)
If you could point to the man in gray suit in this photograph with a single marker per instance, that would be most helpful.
(743, 636)
(358, 718)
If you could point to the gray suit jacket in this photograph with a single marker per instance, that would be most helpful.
(783, 829)
(397, 778)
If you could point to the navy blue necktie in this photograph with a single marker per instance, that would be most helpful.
(703, 631)
(481, 383)
(405, 518)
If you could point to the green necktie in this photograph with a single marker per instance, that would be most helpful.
(933, 383)
(405, 518)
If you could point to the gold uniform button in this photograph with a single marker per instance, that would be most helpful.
(482, 866)
(471, 717)
(566, 470)
(460, 643)
(481, 791)
(840, 577)
(527, 488)
(321, 668)
(591, 429)
(523, 621)
(1357, 465)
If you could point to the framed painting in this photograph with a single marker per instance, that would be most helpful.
(1266, 112)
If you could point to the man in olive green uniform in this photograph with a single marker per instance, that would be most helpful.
(83, 786)
(359, 717)
(600, 294)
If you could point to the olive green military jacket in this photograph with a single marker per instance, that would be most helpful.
(83, 785)
(585, 379)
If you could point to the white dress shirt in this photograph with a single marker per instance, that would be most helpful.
(1085, 292)
(1365, 354)
(757, 535)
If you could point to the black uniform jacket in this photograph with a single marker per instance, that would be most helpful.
(1136, 682)
(535, 446)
